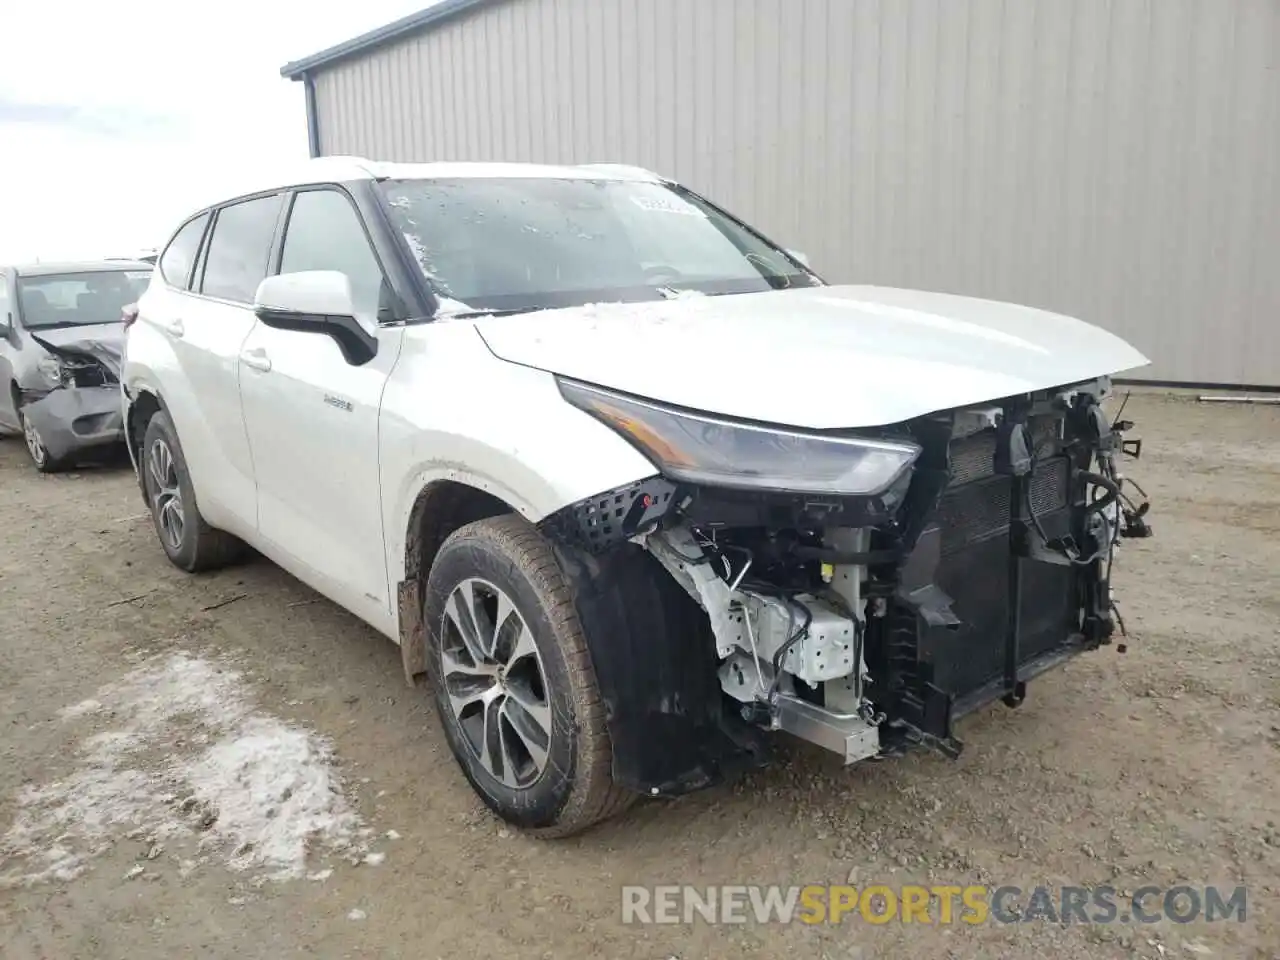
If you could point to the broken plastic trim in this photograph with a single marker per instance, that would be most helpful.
(106, 353)
(72, 420)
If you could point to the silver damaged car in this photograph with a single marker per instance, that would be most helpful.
(61, 338)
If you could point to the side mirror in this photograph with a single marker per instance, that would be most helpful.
(801, 256)
(6, 325)
(316, 301)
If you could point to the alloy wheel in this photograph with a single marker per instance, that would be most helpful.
(167, 494)
(493, 676)
(34, 444)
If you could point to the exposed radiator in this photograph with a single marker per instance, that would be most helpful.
(974, 520)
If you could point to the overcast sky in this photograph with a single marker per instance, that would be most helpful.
(116, 120)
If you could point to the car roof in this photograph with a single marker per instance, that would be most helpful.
(78, 266)
(346, 169)
(343, 169)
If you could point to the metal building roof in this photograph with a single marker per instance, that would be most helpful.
(414, 23)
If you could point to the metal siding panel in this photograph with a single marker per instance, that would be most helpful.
(1263, 355)
(649, 41)
(615, 50)
(451, 133)
(368, 95)
(764, 203)
(517, 53)
(423, 93)
(857, 262)
(415, 77)
(628, 80)
(1256, 306)
(485, 66)
(467, 106)
(596, 146)
(325, 115)
(738, 86)
(949, 162)
(1084, 136)
(1109, 159)
(520, 71)
(841, 178)
(543, 128)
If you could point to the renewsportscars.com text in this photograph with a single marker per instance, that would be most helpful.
(937, 904)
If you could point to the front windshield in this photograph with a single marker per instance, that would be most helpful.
(78, 299)
(528, 243)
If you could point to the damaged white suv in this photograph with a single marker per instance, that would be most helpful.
(629, 482)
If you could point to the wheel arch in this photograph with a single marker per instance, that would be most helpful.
(15, 396)
(143, 405)
(440, 507)
(649, 644)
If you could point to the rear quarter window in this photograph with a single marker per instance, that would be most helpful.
(179, 257)
(235, 261)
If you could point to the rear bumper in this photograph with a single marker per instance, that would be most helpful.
(71, 420)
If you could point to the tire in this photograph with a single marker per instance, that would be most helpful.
(188, 541)
(40, 456)
(541, 673)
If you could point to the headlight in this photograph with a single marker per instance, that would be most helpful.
(701, 449)
(50, 368)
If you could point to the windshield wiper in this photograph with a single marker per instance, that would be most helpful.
(471, 314)
(64, 324)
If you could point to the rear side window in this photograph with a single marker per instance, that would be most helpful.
(4, 299)
(325, 233)
(180, 256)
(238, 251)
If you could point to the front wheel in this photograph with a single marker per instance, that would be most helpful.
(513, 681)
(44, 461)
(188, 541)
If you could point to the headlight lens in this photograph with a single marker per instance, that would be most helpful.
(701, 449)
(51, 369)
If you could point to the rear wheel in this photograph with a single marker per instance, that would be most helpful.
(188, 541)
(44, 461)
(513, 682)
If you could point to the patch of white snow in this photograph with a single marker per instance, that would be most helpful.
(258, 792)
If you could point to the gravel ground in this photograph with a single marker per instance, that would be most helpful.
(122, 678)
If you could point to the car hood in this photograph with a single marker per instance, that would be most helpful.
(816, 357)
(103, 342)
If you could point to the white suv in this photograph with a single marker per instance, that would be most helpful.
(629, 482)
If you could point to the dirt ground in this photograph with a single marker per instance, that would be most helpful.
(1158, 766)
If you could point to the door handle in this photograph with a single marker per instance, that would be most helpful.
(173, 328)
(257, 359)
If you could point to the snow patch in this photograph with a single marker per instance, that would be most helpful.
(80, 709)
(187, 757)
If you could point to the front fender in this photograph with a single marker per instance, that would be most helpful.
(496, 426)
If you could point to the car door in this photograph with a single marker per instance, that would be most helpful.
(207, 326)
(8, 348)
(312, 417)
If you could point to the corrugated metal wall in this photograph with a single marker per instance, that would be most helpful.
(1116, 160)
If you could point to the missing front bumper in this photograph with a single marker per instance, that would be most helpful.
(847, 734)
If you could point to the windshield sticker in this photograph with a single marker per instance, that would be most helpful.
(669, 204)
